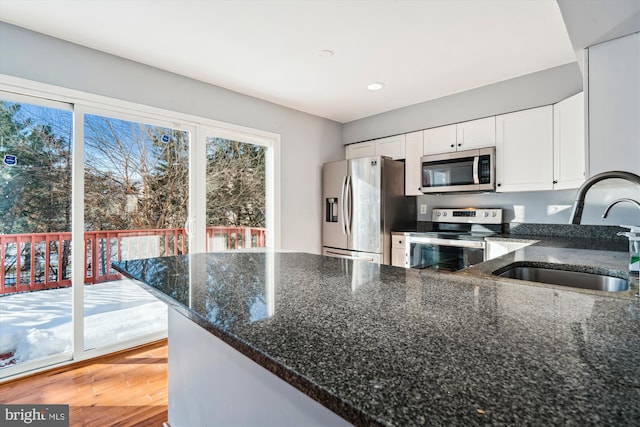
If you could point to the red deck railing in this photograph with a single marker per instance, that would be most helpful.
(30, 262)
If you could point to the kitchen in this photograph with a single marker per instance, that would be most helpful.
(302, 213)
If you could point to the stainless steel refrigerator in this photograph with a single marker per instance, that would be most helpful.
(363, 202)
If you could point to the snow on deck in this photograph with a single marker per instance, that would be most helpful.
(38, 324)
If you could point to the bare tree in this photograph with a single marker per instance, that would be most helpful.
(235, 183)
(136, 176)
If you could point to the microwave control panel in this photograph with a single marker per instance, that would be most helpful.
(484, 172)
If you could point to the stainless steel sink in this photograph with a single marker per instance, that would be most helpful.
(574, 279)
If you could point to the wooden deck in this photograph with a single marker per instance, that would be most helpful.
(122, 389)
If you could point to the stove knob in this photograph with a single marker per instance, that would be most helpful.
(485, 214)
(444, 214)
(438, 213)
(493, 214)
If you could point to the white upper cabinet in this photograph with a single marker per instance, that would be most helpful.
(469, 135)
(393, 146)
(361, 149)
(440, 140)
(412, 165)
(568, 143)
(524, 150)
(613, 82)
(474, 134)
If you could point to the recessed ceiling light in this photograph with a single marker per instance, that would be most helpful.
(375, 86)
(325, 53)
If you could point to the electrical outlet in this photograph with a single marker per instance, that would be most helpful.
(423, 209)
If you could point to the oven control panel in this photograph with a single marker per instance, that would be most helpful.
(467, 216)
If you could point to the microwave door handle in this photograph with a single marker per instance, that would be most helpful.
(476, 162)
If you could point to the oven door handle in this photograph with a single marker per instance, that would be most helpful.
(476, 162)
(448, 242)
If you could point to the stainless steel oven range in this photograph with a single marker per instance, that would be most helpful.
(456, 241)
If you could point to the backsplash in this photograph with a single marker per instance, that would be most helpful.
(545, 207)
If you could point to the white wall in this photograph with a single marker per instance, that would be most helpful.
(306, 141)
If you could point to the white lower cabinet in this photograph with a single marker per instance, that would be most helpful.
(398, 249)
(524, 150)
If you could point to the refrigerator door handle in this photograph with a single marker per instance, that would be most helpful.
(348, 205)
(343, 195)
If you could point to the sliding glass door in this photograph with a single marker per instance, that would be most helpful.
(35, 233)
(235, 194)
(136, 198)
(141, 184)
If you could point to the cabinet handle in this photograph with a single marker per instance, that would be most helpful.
(459, 145)
(499, 185)
(555, 182)
(452, 145)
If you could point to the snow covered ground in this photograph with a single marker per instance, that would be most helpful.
(37, 324)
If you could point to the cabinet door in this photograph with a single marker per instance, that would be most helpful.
(568, 143)
(397, 257)
(614, 105)
(393, 146)
(361, 149)
(524, 150)
(440, 140)
(412, 165)
(479, 133)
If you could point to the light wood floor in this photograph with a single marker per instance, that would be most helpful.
(123, 389)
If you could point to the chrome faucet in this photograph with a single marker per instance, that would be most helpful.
(578, 205)
(615, 202)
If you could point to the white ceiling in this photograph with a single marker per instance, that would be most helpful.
(421, 50)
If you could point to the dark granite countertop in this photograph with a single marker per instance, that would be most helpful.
(583, 248)
(381, 345)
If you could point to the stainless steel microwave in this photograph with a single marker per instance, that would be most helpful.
(469, 170)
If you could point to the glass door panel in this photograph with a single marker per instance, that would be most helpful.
(35, 234)
(135, 206)
(236, 207)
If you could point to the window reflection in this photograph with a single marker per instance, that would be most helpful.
(364, 272)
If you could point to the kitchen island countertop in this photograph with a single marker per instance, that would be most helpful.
(380, 345)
